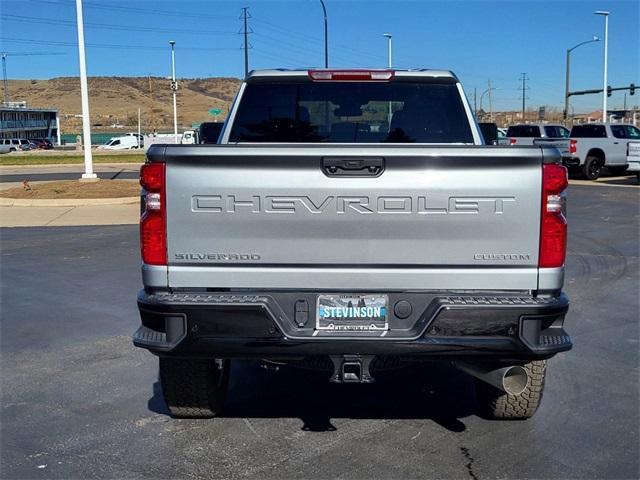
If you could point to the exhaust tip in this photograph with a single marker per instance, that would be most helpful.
(515, 380)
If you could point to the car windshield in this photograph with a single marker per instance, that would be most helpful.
(525, 131)
(632, 132)
(351, 112)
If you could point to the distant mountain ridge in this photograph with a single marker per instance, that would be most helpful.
(115, 100)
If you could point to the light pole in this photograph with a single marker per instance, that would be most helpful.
(605, 14)
(326, 40)
(566, 88)
(174, 88)
(84, 96)
(388, 35)
(482, 96)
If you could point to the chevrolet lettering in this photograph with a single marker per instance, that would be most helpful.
(343, 204)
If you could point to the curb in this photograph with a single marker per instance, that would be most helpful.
(66, 202)
(96, 165)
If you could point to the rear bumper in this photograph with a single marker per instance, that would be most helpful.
(634, 165)
(282, 325)
(571, 162)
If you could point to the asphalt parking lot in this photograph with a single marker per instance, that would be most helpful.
(79, 401)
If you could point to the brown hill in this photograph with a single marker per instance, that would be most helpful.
(117, 99)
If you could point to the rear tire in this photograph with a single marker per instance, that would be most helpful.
(194, 388)
(496, 404)
(592, 168)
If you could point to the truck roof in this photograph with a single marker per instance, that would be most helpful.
(283, 73)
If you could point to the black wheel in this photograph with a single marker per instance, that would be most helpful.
(12, 150)
(638, 177)
(617, 171)
(194, 388)
(497, 404)
(592, 168)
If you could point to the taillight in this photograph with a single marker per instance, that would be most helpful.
(153, 222)
(512, 141)
(573, 146)
(351, 75)
(553, 224)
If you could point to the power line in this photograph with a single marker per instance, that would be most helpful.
(301, 50)
(316, 40)
(28, 41)
(146, 11)
(110, 26)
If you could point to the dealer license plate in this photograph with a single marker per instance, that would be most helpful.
(355, 313)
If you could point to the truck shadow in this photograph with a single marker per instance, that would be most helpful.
(434, 391)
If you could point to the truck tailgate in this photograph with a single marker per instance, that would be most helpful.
(561, 144)
(265, 216)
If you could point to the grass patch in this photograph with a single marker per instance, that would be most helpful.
(26, 159)
(76, 189)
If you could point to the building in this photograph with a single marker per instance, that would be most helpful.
(19, 121)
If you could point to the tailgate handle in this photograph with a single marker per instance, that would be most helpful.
(352, 166)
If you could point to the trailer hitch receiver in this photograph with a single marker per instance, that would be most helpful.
(351, 369)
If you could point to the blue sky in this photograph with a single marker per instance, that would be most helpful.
(479, 40)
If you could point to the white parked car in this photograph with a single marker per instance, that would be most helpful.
(127, 142)
(14, 144)
(189, 137)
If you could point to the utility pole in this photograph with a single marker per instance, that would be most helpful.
(625, 101)
(475, 104)
(4, 77)
(490, 103)
(138, 127)
(88, 174)
(523, 79)
(326, 38)
(174, 88)
(245, 16)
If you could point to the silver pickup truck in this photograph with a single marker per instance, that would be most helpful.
(542, 135)
(353, 221)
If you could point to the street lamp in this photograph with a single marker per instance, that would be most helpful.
(174, 88)
(88, 174)
(326, 41)
(482, 96)
(566, 88)
(605, 14)
(388, 35)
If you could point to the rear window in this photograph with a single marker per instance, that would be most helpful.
(527, 131)
(351, 112)
(589, 131)
(210, 131)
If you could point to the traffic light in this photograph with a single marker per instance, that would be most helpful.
(632, 89)
(609, 91)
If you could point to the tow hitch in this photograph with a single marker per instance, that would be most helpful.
(351, 369)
